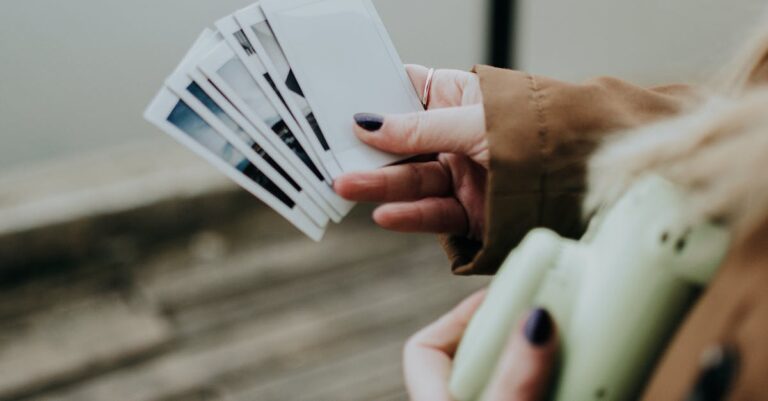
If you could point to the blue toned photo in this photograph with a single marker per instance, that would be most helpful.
(211, 105)
(185, 119)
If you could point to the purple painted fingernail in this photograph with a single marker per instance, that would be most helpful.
(369, 121)
(719, 366)
(539, 327)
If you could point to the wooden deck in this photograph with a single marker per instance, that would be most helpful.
(244, 310)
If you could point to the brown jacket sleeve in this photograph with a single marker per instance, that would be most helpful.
(541, 132)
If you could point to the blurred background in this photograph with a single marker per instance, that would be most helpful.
(130, 270)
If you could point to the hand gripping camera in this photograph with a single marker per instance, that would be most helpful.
(617, 295)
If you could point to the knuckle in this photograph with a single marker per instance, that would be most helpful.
(395, 128)
(416, 178)
(414, 131)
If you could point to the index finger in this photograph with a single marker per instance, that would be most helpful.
(458, 130)
(429, 353)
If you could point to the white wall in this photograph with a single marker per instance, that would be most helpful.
(649, 41)
(445, 33)
(76, 75)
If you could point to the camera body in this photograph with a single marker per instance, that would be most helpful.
(616, 295)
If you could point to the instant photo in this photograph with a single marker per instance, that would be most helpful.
(228, 73)
(189, 84)
(345, 63)
(243, 126)
(268, 99)
(206, 100)
(209, 110)
(246, 56)
(238, 78)
(263, 41)
(184, 118)
(179, 120)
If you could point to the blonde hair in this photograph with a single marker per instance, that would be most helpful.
(749, 69)
(718, 152)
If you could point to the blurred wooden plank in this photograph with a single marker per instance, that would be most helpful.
(242, 352)
(370, 374)
(147, 191)
(421, 264)
(76, 340)
(396, 395)
(291, 369)
(268, 265)
(118, 179)
(248, 310)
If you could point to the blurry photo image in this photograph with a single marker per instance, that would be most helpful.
(267, 38)
(244, 43)
(211, 105)
(187, 120)
(240, 80)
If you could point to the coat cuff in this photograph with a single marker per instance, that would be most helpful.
(540, 135)
(515, 199)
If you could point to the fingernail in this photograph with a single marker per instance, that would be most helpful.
(538, 329)
(369, 121)
(718, 368)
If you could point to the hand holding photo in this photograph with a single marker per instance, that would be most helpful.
(345, 63)
(260, 106)
(176, 118)
(269, 99)
(209, 108)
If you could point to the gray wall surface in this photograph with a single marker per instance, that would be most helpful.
(648, 41)
(76, 75)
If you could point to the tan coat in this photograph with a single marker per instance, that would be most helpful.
(542, 134)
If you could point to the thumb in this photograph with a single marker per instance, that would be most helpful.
(449, 130)
(525, 369)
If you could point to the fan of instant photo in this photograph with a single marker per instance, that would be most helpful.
(268, 99)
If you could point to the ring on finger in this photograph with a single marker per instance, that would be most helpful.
(426, 95)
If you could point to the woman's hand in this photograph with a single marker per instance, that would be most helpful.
(523, 371)
(445, 194)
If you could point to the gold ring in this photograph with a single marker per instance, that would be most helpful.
(428, 88)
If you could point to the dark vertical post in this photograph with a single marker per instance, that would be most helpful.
(500, 34)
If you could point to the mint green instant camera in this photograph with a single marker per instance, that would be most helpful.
(616, 295)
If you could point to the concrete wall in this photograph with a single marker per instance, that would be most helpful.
(649, 41)
(76, 75)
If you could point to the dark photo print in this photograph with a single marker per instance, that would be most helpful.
(244, 43)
